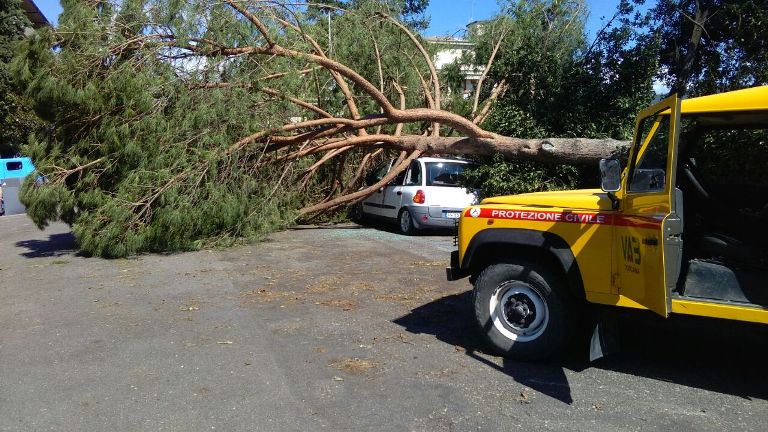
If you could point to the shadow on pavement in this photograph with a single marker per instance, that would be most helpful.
(451, 320)
(715, 355)
(57, 245)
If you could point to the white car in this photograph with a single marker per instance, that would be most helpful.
(426, 195)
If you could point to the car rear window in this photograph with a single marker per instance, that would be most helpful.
(444, 173)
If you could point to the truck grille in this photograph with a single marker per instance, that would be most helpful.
(456, 232)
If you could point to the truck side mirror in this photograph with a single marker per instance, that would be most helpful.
(610, 175)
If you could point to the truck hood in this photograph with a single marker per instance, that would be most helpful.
(582, 199)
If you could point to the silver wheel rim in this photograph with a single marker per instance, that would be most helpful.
(518, 312)
(405, 221)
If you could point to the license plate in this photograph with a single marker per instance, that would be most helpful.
(452, 215)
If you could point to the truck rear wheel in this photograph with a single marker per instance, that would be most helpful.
(520, 311)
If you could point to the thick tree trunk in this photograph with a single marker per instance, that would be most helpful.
(551, 150)
(686, 65)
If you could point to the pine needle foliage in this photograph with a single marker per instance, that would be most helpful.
(142, 155)
(138, 160)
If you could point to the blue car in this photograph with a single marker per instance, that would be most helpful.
(12, 174)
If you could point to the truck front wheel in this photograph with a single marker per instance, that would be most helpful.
(520, 311)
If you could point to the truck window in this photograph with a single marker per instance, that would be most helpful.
(729, 165)
(650, 168)
(13, 166)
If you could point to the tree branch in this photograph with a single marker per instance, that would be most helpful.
(345, 199)
(430, 65)
(354, 112)
(254, 20)
(267, 90)
(497, 91)
(486, 71)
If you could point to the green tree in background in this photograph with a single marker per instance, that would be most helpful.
(558, 84)
(711, 46)
(17, 119)
(356, 38)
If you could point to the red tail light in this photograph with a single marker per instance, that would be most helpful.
(419, 198)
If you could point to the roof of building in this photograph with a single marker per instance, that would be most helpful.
(34, 14)
(449, 40)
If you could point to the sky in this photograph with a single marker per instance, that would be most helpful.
(448, 17)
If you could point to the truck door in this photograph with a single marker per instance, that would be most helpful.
(647, 227)
(12, 174)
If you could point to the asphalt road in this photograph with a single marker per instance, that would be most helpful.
(327, 329)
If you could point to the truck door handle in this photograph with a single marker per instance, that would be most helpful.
(399, 193)
(651, 241)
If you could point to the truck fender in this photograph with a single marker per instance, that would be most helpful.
(502, 241)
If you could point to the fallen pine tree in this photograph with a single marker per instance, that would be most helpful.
(185, 124)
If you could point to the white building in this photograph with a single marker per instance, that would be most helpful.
(450, 49)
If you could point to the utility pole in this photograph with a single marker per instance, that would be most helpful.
(330, 46)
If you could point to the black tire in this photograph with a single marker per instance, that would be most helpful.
(356, 213)
(522, 311)
(405, 222)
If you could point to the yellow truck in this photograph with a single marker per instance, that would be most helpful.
(683, 229)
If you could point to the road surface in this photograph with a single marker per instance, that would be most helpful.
(342, 328)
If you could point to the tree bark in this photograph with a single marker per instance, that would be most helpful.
(550, 150)
(686, 65)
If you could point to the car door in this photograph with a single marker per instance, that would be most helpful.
(393, 196)
(373, 204)
(647, 236)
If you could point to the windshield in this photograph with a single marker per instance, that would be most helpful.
(444, 173)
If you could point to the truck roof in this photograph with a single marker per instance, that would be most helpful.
(16, 167)
(749, 99)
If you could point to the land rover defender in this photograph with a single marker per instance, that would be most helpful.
(680, 230)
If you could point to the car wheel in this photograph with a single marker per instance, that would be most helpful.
(406, 223)
(521, 312)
